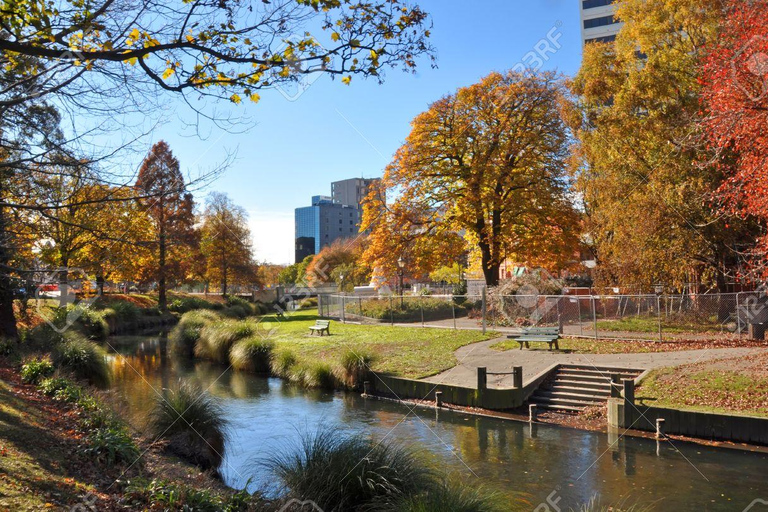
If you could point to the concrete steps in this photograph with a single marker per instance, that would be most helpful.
(572, 388)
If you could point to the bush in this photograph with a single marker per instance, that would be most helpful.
(35, 369)
(349, 473)
(448, 496)
(283, 362)
(163, 495)
(125, 311)
(252, 354)
(357, 367)
(409, 310)
(192, 423)
(112, 445)
(7, 346)
(185, 334)
(310, 303)
(61, 389)
(183, 305)
(217, 338)
(85, 359)
(247, 306)
(90, 322)
(236, 311)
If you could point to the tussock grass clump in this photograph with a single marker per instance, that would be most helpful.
(316, 374)
(450, 496)
(192, 423)
(185, 334)
(84, 359)
(217, 338)
(356, 367)
(283, 361)
(252, 354)
(35, 369)
(349, 473)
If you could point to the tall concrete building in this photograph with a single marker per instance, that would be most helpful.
(352, 192)
(597, 21)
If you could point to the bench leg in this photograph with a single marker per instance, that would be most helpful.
(521, 344)
(557, 346)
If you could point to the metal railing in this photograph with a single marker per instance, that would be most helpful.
(635, 317)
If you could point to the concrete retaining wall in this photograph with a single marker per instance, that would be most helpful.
(743, 429)
(495, 399)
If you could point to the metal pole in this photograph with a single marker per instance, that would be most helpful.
(658, 311)
(391, 310)
(453, 313)
(594, 316)
(738, 316)
(421, 307)
(581, 325)
(343, 310)
(483, 309)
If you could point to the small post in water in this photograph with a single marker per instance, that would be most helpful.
(438, 398)
(366, 388)
(659, 428)
(532, 413)
(517, 377)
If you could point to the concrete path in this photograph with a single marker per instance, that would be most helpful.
(470, 357)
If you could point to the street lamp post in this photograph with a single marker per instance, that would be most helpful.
(401, 266)
(341, 282)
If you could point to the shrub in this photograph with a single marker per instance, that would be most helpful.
(7, 346)
(90, 322)
(252, 354)
(35, 369)
(85, 359)
(185, 334)
(449, 496)
(247, 306)
(125, 311)
(217, 338)
(112, 445)
(408, 310)
(349, 473)
(236, 311)
(61, 389)
(163, 495)
(310, 303)
(282, 362)
(192, 423)
(357, 367)
(185, 304)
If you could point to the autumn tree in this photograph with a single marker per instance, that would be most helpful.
(650, 210)
(735, 98)
(487, 164)
(225, 241)
(343, 257)
(171, 209)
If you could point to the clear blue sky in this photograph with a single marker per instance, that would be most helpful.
(296, 148)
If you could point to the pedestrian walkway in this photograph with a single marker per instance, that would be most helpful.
(534, 362)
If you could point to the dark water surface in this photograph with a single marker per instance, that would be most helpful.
(530, 464)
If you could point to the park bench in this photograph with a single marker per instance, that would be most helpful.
(549, 335)
(279, 313)
(320, 327)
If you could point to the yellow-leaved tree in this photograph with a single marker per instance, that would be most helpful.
(483, 168)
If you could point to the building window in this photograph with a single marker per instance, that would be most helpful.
(600, 22)
(591, 4)
(605, 39)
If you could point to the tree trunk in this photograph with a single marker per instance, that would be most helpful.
(7, 318)
(161, 299)
(490, 268)
(63, 275)
(100, 283)
(224, 281)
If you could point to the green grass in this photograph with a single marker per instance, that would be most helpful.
(695, 388)
(651, 324)
(591, 346)
(411, 352)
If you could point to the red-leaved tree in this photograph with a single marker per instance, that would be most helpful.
(736, 100)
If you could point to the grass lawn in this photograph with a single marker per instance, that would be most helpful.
(733, 386)
(650, 324)
(412, 352)
(590, 346)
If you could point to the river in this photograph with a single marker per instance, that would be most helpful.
(542, 466)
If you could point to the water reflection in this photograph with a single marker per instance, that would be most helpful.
(527, 462)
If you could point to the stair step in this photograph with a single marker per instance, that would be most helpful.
(581, 384)
(569, 396)
(564, 401)
(597, 370)
(603, 393)
(559, 407)
(582, 378)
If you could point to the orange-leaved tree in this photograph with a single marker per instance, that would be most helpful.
(482, 168)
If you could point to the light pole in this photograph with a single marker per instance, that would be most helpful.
(341, 282)
(401, 266)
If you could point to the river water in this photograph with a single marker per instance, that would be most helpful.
(538, 467)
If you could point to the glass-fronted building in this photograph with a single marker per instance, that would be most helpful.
(321, 224)
(598, 23)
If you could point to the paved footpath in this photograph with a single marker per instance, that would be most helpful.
(471, 357)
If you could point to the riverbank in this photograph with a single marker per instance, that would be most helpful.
(45, 463)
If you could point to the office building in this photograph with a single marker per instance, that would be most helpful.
(352, 192)
(322, 223)
(598, 23)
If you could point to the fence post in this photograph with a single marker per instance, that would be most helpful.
(658, 311)
(360, 305)
(392, 310)
(343, 310)
(738, 316)
(484, 309)
(594, 316)
(421, 307)
(453, 313)
(581, 325)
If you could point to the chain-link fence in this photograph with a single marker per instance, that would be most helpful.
(633, 317)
